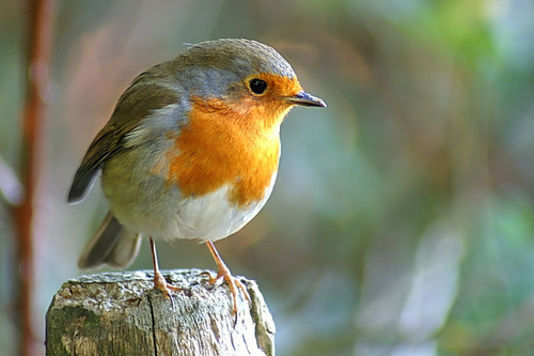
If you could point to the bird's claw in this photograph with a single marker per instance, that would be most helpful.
(161, 284)
(232, 282)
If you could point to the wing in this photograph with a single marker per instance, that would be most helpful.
(148, 92)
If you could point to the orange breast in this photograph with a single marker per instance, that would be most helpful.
(225, 145)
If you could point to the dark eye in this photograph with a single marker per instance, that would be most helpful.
(257, 86)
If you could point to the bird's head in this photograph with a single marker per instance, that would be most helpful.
(245, 77)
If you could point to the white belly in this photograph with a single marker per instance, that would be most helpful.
(210, 217)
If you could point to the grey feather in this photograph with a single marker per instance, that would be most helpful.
(139, 101)
(110, 245)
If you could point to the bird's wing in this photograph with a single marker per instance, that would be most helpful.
(145, 96)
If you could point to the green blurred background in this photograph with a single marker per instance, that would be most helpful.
(403, 218)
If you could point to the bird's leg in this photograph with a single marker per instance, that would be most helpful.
(224, 272)
(159, 281)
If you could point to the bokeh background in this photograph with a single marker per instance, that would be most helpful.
(403, 218)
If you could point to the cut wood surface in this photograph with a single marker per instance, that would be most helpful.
(119, 313)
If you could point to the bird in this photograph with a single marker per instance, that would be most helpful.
(191, 151)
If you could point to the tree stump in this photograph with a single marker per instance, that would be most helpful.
(120, 313)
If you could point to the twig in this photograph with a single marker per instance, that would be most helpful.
(39, 50)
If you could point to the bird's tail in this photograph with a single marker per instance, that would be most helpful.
(111, 245)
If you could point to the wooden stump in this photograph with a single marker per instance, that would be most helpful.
(121, 314)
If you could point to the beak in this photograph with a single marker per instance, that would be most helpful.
(306, 99)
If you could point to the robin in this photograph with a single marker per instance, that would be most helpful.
(191, 152)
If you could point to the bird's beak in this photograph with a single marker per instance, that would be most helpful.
(306, 99)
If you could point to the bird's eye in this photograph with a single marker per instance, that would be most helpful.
(257, 86)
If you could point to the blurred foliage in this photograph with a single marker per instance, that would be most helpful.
(403, 218)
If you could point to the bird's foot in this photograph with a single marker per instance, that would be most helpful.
(161, 284)
(232, 282)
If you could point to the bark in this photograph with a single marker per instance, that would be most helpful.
(121, 314)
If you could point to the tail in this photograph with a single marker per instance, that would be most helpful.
(111, 245)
